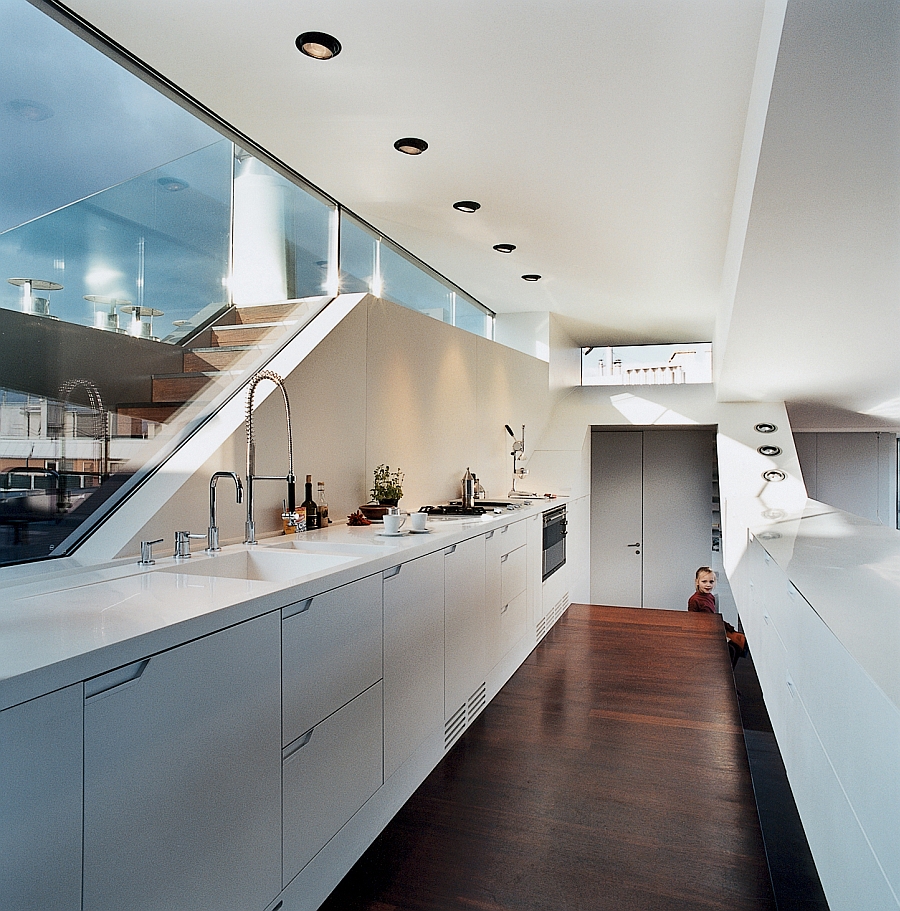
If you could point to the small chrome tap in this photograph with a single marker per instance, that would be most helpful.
(250, 537)
(212, 534)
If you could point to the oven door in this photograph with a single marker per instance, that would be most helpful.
(554, 540)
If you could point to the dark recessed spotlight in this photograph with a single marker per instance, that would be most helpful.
(318, 45)
(532, 278)
(769, 450)
(411, 145)
(765, 427)
(504, 248)
(467, 205)
(172, 184)
(773, 474)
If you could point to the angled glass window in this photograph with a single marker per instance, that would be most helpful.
(646, 365)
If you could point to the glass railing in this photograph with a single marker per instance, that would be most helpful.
(134, 305)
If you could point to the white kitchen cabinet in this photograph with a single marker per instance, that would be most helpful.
(413, 656)
(182, 776)
(465, 629)
(331, 652)
(534, 586)
(40, 803)
(329, 773)
(505, 593)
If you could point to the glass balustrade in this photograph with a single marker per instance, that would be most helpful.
(147, 264)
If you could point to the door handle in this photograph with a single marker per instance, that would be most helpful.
(634, 545)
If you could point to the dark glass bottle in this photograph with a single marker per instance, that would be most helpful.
(309, 506)
(322, 504)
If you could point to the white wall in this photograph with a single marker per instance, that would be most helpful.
(854, 472)
(389, 385)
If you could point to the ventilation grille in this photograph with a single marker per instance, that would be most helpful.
(464, 716)
(560, 607)
(454, 726)
(545, 623)
(477, 701)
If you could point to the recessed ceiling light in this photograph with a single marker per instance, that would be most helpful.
(532, 278)
(411, 145)
(467, 205)
(318, 45)
(768, 536)
(769, 450)
(765, 427)
(25, 109)
(774, 475)
(172, 184)
(504, 248)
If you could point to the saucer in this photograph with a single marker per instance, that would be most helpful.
(420, 531)
(391, 534)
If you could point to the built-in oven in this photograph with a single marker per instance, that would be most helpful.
(554, 540)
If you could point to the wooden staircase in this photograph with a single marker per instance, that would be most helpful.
(214, 351)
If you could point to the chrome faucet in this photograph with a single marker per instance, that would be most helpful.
(212, 534)
(250, 537)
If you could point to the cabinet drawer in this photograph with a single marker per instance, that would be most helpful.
(330, 652)
(511, 536)
(513, 622)
(512, 575)
(329, 776)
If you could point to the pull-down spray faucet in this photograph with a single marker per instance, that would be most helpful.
(250, 537)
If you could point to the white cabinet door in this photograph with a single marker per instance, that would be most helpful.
(40, 803)
(329, 773)
(534, 570)
(182, 776)
(465, 654)
(413, 656)
(331, 652)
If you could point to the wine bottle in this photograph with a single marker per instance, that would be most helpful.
(322, 504)
(309, 506)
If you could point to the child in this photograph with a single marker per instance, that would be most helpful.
(704, 601)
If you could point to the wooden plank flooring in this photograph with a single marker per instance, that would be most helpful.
(609, 773)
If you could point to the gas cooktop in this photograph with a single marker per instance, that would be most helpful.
(454, 509)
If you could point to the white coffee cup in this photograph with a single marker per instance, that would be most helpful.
(417, 520)
(393, 522)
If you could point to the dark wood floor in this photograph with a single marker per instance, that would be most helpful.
(609, 773)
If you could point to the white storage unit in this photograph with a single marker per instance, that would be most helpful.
(40, 803)
(413, 656)
(182, 776)
(465, 631)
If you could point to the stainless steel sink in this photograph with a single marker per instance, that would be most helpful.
(260, 565)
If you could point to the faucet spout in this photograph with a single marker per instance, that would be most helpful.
(212, 534)
(256, 379)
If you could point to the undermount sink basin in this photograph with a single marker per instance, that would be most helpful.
(260, 565)
(333, 547)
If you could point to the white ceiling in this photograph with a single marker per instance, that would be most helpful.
(605, 139)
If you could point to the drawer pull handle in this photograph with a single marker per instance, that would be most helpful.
(449, 550)
(504, 609)
(298, 607)
(393, 571)
(297, 745)
(504, 530)
(490, 534)
(504, 558)
(115, 679)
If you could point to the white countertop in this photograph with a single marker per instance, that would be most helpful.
(72, 622)
(848, 569)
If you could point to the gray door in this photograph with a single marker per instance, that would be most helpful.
(617, 518)
(650, 488)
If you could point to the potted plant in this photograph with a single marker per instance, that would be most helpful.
(386, 491)
(388, 487)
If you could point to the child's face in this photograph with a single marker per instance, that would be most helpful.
(706, 582)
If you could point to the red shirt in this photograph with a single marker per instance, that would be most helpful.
(703, 603)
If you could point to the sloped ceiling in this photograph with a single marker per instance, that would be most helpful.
(605, 139)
